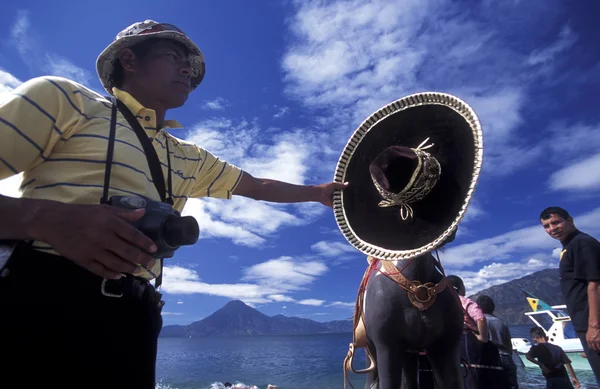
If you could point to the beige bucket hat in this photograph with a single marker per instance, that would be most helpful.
(139, 32)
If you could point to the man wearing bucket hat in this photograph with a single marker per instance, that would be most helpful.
(75, 294)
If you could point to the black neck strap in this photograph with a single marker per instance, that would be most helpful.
(158, 178)
(153, 162)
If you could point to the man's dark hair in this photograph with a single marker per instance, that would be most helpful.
(486, 304)
(227, 384)
(140, 50)
(538, 332)
(456, 282)
(546, 213)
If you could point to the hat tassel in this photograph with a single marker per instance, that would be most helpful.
(406, 210)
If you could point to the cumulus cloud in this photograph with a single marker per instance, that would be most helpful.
(271, 281)
(351, 57)
(25, 39)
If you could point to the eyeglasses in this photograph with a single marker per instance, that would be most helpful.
(161, 27)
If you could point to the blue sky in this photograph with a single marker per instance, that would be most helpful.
(286, 85)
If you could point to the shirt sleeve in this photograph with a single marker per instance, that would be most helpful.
(534, 352)
(563, 357)
(587, 260)
(475, 311)
(33, 119)
(215, 177)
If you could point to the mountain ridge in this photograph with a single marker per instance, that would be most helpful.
(238, 319)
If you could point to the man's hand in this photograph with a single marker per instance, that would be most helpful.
(593, 337)
(326, 192)
(96, 237)
(576, 383)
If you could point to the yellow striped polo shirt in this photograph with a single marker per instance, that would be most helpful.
(56, 131)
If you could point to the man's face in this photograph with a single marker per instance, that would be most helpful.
(557, 227)
(165, 74)
(537, 339)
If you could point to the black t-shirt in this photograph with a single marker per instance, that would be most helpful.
(553, 357)
(579, 264)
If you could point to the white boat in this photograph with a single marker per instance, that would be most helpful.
(559, 330)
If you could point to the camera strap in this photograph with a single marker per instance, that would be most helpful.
(153, 162)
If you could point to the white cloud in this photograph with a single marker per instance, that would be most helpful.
(20, 33)
(62, 67)
(26, 41)
(583, 175)
(172, 313)
(332, 249)
(352, 57)
(542, 56)
(179, 280)
(246, 222)
(281, 298)
(474, 211)
(270, 281)
(280, 156)
(514, 245)
(10, 186)
(311, 302)
(499, 273)
(217, 104)
(282, 111)
(8, 83)
(342, 304)
(285, 273)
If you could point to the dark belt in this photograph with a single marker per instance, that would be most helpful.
(32, 266)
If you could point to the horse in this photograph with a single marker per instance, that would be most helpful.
(408, 309)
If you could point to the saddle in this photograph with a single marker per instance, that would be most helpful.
(422, 296)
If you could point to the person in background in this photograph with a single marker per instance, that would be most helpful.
(579, 279)
(499, 334)
(485, 368)
(475, 321)
(552, 360)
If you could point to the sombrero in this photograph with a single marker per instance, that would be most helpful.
(412, 168)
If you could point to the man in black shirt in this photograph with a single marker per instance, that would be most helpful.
(579, 279)
(552, 360)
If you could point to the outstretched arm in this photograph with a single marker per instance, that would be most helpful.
(482, 327)
(573, 376)
(283, 192)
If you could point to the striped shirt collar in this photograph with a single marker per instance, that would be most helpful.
(140, 111)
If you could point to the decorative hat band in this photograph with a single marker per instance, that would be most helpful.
(422, 181)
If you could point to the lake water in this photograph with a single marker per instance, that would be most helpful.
(291, 362)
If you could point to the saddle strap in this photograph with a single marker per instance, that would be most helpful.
(422, 296)
(349, 364)
(359, 335)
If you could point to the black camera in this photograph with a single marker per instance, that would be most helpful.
(161, 223)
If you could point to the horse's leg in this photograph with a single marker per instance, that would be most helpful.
(372, 381)
(410, 371)
(389, 365)
(444, 358)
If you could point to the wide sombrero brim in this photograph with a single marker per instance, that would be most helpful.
(455, 131)
(105, 64)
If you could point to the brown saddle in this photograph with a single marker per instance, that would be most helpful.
(422, 296)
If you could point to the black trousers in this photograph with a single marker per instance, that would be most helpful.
(593, 357)
(58, 329)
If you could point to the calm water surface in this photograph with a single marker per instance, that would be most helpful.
(291, 362)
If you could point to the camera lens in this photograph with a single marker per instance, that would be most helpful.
(180, 231)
